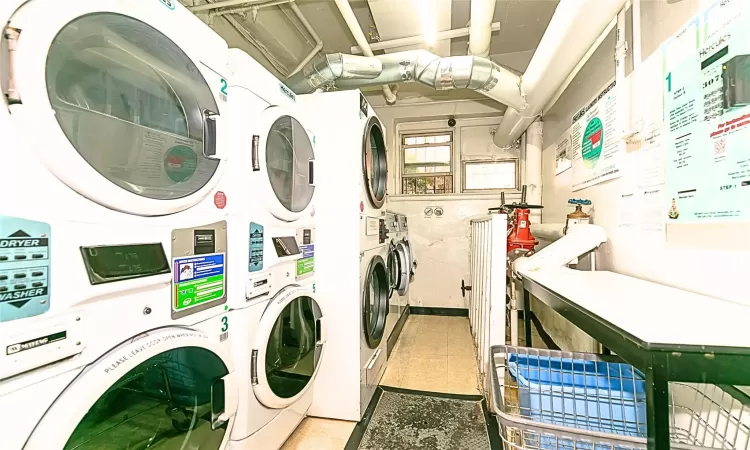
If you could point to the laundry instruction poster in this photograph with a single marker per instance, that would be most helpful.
(596, 148)
(707, 113)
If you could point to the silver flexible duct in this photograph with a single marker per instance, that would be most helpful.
(452, 72)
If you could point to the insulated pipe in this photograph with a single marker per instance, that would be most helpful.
(574, 26)
(471, 72)
(351, 20)
(419, 39)
(224, 4)
(337, 66)
(480, 32)
(548, 231)
(534, 138)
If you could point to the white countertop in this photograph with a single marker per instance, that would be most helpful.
(653, 313)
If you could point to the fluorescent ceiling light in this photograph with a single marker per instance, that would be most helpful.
(429, 21)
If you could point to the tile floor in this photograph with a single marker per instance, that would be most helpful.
(433, 353)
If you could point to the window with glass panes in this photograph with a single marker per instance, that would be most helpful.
(427, 164)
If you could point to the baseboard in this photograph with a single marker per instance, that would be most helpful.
(393, 338)
(432, 311)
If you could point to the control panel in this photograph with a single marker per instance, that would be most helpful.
(25, 267)
(198, 268)
(258, 286)
(106, 264)
(383, 231)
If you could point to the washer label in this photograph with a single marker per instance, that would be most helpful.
(34, 343)
(198, 280)
(24, 268)
(255, 262)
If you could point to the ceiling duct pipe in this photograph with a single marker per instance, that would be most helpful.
(574, 26)
(480, 27)
(351, 21)
(452, 72)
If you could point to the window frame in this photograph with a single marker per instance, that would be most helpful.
(403, 135)
(517, 183)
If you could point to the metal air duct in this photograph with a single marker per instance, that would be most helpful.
(452, 72)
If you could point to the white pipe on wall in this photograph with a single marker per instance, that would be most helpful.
(574, 26)
(318, 41)
(351, 21)
(548, 231)
(419, 39)
(534, 143)
(480, 32)
(623, 93)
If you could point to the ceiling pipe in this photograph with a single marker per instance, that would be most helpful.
(574, 26)
(419, 39)
(318, 41)
(243, 9)
(224, 4)
(452, 72)
(480, 32)
(351, 21)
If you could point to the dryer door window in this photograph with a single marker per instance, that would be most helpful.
(374, 162)
(292, 353)
(168, 401)
(394, 269)
(375, 301)
(290, 161)
(133, 105)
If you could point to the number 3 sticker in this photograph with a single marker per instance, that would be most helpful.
(168, 3)
(224, 324)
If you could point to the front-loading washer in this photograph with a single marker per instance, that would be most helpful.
(118, 231)
(281, 341)
(351, 228)
(273, 291)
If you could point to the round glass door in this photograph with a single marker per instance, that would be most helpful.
(133, 104)
(292, 353)
(375, 301)
(166, 402)
(374, 161)
(290, 159)
(394, 269)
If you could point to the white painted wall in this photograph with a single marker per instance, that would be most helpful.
(441, 245)
(710, 259)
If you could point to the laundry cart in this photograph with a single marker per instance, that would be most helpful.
(548, 399)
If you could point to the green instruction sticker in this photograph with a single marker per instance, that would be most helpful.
(305, 265)
(180, 163)
(593, 141)
(198, 280)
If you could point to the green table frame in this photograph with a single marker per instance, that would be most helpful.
(661, 363)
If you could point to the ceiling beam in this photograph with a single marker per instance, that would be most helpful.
(419, 39)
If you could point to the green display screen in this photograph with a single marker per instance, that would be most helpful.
(106, 264)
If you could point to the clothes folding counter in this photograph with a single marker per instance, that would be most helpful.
(669, 334)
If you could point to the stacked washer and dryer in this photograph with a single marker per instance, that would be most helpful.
(113, 256)
(401, 268)
(279, 331)
(351, 265)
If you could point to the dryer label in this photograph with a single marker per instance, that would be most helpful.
(255, 262)
(24, 268)
(197, 280)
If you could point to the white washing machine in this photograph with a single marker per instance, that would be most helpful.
(114, 255)
(397, 272)
(274, 286)
(351, 271)
(410, 258)
(281, 343)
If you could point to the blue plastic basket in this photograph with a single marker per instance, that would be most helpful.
(606, 397)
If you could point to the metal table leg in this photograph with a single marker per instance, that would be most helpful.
(657, 404)
(527, 316)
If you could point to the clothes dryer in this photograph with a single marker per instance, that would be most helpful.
(116, 243)
(352, 235)
(273, 290)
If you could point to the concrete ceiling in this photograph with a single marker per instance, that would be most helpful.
(282, 42)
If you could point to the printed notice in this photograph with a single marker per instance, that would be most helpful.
(198, 280)
(596, 150)
(562, 155)
(707, 112)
